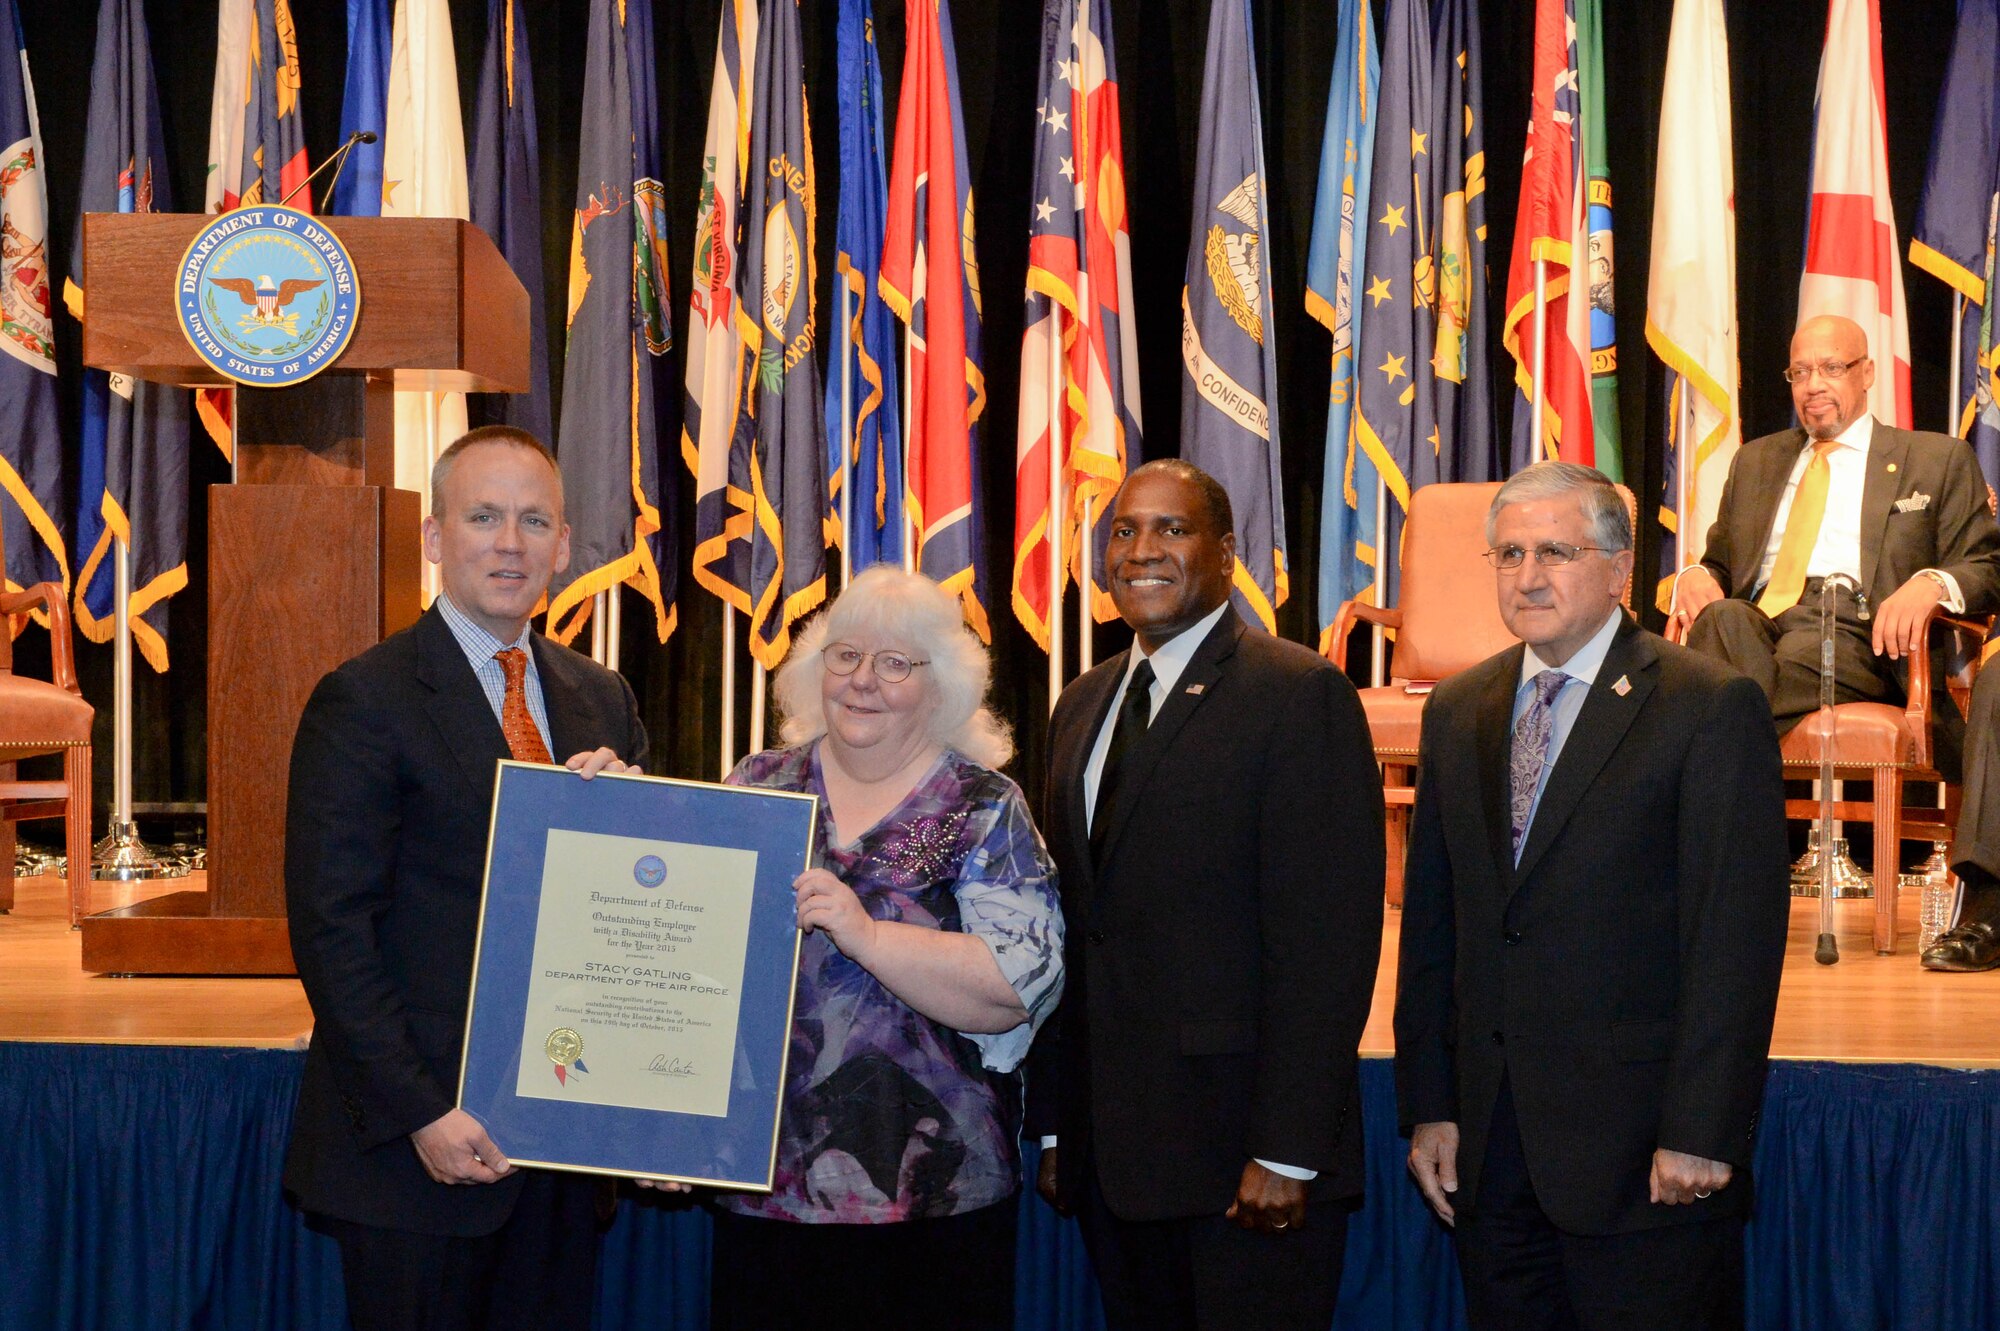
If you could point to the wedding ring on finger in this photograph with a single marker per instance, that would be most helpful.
(1704, 1195)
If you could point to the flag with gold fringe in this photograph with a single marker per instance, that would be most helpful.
(132, 474)
(614, 488)
(506, 199)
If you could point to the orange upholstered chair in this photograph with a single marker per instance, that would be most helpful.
(1889, 747)
(1447, 618)
(38, 717)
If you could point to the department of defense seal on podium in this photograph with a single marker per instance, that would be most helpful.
(268, 296)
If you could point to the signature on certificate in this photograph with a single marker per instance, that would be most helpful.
(670, 1067)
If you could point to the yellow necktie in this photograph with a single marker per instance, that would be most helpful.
(1788, 573)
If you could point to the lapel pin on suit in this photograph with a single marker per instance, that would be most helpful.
(1623, 686)
(1196, 689)
(1892, 469)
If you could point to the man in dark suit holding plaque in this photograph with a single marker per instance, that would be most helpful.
(1216, 814)
(1593, 929)
(391, 791)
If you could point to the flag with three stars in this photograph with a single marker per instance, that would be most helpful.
(865, 438)
(31, 448)
(1079, 345)
(614, 488)
(713, 388)
(1461, 368)
(1953, 239)
(930, 217)
(1229, 350)
(1347, 548)
(1547, 228)
(780, 449)
(364, 105)
(1395, 407)
(132, 475)
(506, 186)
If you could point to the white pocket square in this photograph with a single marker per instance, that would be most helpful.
(1916, 503)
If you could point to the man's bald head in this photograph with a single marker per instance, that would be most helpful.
(1831, 374)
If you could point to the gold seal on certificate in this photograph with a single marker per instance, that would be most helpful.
(564, 1046)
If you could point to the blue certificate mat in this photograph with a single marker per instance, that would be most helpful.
(631, 1002)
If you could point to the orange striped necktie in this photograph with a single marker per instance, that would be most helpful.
(524, 741)
(1788, 573)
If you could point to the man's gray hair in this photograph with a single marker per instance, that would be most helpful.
(1603, 507)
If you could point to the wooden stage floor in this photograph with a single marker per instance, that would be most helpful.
(1866, 1009)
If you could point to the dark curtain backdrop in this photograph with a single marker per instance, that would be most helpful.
(1775, 47)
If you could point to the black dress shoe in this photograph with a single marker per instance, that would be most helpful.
(1968, 947)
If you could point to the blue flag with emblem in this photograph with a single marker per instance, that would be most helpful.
(1395, 410)
(866, 461)
(32, 515)
(507, 203)
(1954, 238)
(780, 449)
(1468, 445)
(364, 105)
(1229, 424)
(1347, 551)
(613, 374)
(132, 477)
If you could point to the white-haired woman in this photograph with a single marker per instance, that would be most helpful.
(933, 950)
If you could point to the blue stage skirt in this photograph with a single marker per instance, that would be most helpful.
(139, 1187)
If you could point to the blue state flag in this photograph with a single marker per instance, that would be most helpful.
(1229, 421)
(865, 441)
(615, 489)
(364, 105)
(33, 521)
(1954, 238)
(780, 450)
(1468, 445)
(506, 195)
(1395, 411)
(132, 477)
(1347, 550)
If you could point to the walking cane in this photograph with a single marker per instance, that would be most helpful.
(1828, 950)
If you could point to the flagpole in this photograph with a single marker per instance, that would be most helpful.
(1378, 641)
(909, 431)
(121, 856)
(1086, 537)
(597, 628)
(1541, 359)
(1957, 347)
(846, 434)
(757, 691)
(614, 626)
(1056, 515)
(728, 689)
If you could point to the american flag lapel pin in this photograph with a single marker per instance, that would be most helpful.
(1623, 686)
(1197, 689)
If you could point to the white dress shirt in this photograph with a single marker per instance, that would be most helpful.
(1838, 549)
(1170, 662)
(1582, 668)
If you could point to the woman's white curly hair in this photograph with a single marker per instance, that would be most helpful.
(890, 608)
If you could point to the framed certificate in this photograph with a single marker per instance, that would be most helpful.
(631, 1004)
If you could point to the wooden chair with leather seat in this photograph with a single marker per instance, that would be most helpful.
(1889, 747)
(1446, 619)
(39, 717)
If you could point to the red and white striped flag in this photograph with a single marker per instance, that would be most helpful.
(1079, 349)
(1851, 247)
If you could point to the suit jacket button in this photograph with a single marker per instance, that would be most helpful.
(1095, 936)
(1513, 937)
(1498, 1038)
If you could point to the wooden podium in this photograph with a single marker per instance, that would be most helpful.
(313, 552)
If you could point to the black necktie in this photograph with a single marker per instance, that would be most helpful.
(1135, 713)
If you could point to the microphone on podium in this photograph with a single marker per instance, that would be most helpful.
(338, 161)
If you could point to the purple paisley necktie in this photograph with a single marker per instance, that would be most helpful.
(1531, 750)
